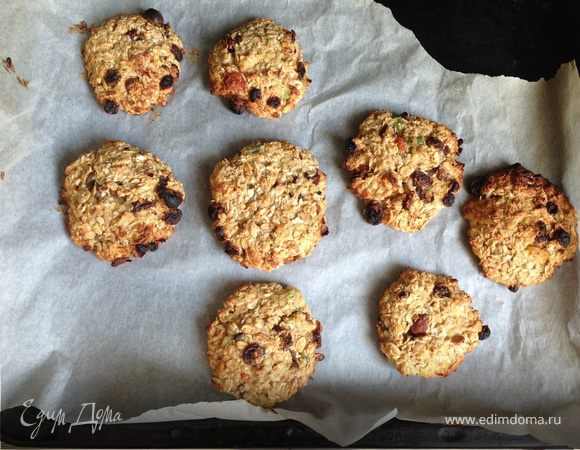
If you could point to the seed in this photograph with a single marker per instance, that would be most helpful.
(253, 354)
(231, 250)
(434, 142)
(514, 288)
(373, 212)
(153, 16)
(171, 198)
(542, 234)
(448, 200)
(220, 233)
(273, 102)
(140, 206)
(112, 77)
(552, 208)
(141, 249)
(166, 82)
(562, 236)
(239, 336)
(350, 146)
(117, 262)
(255, 94)
(177, 52)
(237, 105)
(111, 107)
(172, 217)
(214, 210)
(441, 290)
(484, 333)
(301, 69)
(476, 185)
(420, 325)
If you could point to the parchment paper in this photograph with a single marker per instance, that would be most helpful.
(75, 330)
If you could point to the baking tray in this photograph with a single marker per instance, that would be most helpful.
(528, 39)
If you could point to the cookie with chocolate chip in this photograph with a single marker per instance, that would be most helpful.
(263, 344)
(404, 168)
(268, 204)
(521, 227)
(427, 324)
(132, 62)
(120, 202)
(259, 67)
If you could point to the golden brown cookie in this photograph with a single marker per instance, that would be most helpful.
(259, 67)
(426, 324)
(404, 168)
(262, 345)
(132, 62)
(120, 202)
(268, 204)
(521, 227)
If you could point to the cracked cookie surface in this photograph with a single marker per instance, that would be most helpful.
(259, 67)
(521, 227)
(404, 168)
(120, 201)
(268, 204)
(426, 324)
(262, 345)
(132, 62)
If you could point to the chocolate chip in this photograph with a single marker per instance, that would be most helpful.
(373, 212)
(166, 82)
(484, 333)
(273, 102)
(177, 52)
(552, 208)
(441, 290)
(220, 234)
(301, 69)
(562, 236)
(111, 107)
(476, 185)
(237, 105)
(239, 336)
(514, 288)
(420, 325)
(171, 198)
(172, 217)
(422, 183)
(214, 210)
(153, 16)
(360, 172)
(542, 234)
(117, 262)
(350, 146)
(324, 231)
(112, 77)
(316, 337)
(255, 94)
(140, 206)
(253, 354)
(432, 141)
(403, 294)
(230, 44)
(448, 200)
(141, 249)
(286, 339)
(231, 250)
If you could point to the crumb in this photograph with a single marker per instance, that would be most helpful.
(23, 82)
(8, 66)
(79, 28)
(192, 55)
(155, 115)
(2, 175)
(82, 76)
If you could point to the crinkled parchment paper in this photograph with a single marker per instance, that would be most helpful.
(75, 330)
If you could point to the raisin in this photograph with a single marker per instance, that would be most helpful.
(407, 201)
(214, 210)
(90, 181)
(432, 141)
(177, 52)
(420, 325)
(172, 217)
(273, 102)
(153, 246)
(166, 82)
(230, 43)
(542, 234)
(237, 105)
(373, 212)
(112, 77)
(484, 333)
(404, 115)
(130, 82)
(253, 354)
(441, 290)
(476, 185)
(403, 294)
(301, 69)
(286, 339)
(292, 35)
(316, 337)
(141, 249)
(231, 250)
(460, 142)
(153, 16)
(562, 236)
(514, 288)
(220, 234)
(117, 262)
(448, 200)
(255, 94)
(552, 208)
(350, 146)
(239, 336)
(140, 206)
(324, 231)
(111, 107)
(360, 172)
(454, 186)
(171, 198)
(422, 183)
(314, 178)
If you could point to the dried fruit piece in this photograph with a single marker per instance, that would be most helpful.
(476, 185)
(255, 94)
(112, 77)
(448, 200)
(420, 326)
(542, 234)
(171, 198)
(214, 210)
(153, 16)
(172, 217)
(562, 236)
(220, 234)
(111, 107)
(166, 82)
(350, 146)
(552, 208)
(273, 102)
(484, 333)
(301, 70)
(231, 250)
(117, 262)
(237, 105)
(253, 354)
(422, 183)
(177, 52)
(373, 212)
(432, 141)
(441, 290)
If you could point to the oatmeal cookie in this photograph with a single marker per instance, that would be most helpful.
(259, 67)
(132, 62)
(426, 324)
(521, 227)
(120, 202)
(404, 168)
(262, 345)
(268, 204)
